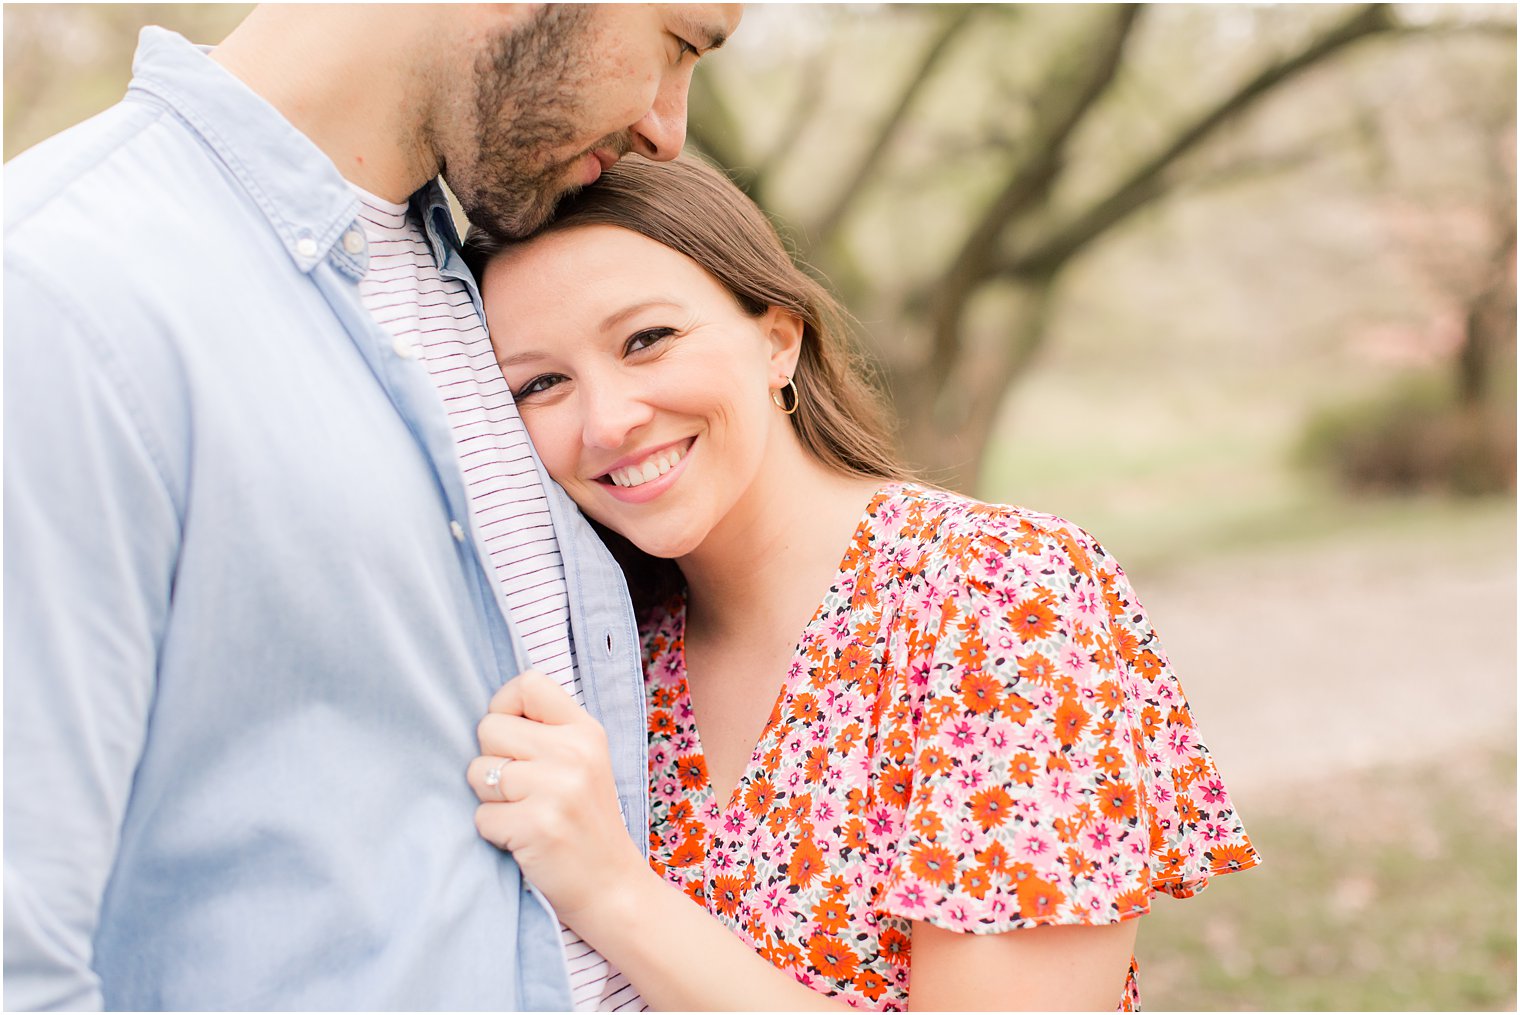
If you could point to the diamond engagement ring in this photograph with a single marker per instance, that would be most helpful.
(493, 777)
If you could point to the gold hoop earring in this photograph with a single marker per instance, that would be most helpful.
(780, 400)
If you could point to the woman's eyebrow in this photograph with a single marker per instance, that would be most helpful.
(618, 316)
(520, 357)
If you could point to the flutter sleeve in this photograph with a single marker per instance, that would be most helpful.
(1058, 776)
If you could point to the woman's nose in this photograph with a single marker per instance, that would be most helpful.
(613, 413)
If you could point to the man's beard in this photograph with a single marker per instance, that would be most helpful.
(527, 103)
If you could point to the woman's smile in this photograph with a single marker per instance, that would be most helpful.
(645, 475)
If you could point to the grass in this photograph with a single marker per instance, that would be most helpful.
(1389, 890)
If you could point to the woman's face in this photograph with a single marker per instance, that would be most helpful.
(645, 387)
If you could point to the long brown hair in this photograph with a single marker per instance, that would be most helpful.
(692, 208)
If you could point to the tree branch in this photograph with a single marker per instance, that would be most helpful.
(1029, 181)
(844, 201)
(809, 94)
(1148, 182)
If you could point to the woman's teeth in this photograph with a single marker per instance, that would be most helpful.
(651, 468)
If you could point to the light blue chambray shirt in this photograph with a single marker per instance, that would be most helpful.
(246, 646)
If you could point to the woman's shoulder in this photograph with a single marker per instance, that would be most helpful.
(969, 540)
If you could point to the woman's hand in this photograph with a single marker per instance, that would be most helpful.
(547, 796)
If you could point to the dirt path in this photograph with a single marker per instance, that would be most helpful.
(1307, 661)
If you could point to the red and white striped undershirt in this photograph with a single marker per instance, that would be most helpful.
(408, 296)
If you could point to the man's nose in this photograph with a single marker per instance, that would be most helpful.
(661, 133)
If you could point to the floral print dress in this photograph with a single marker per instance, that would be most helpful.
(978, 729)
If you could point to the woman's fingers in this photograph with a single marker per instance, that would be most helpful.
(533, 695)
(512, 736)
(494, 782)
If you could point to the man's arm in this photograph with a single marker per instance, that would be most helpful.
(91, 539)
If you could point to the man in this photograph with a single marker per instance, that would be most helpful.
(273, 533)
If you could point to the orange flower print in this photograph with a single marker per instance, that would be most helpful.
(727, 894)
(1071, 719)
(933, 863)
(689, 853)
(806, 864)
(990, 807)
(925, 762)
(927, 825)
(976, 882)
(1117, 801)
(1023, 769)
(692, 769)
(1232, 857)
(896, 785)
(1039, 898)
(805, 708)
(759, 796)
(832, 957)
(1032, 619)
(1110, 759)
(871, 984)
(895, 946)
(1037, 669)
(981, 692)
(855, 835)
(831, 914)
(1137, 900)
(817, 764)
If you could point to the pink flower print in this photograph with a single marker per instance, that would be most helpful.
(711, 810)
(1111, 880)
(823, 812)
(836, 633)
(999, 739)
(733, 824)
(969, 778)
(918, 674)
(1033, 846)
(880, 865)
(1086, 604)
(775, 908)
(911, 897)
(881, 822)
(1214, 832)
(720, 860)
(1074, 661)
(1180, 742)
(684, 743)
(1213, 792)
(962, 734)
(999, 907)
(956, 915)
(1058, 791)
(794, 671)
(1100, 834)
(1161, 793)
(667, 791)
(657, 757)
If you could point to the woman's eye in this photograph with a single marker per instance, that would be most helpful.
(538, 385)
(687, 47)
(646, 338)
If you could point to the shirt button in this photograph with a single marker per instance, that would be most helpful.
(458, 531)
(306, 247)
(404, 348)
(353, 242)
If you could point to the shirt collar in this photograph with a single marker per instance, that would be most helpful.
(292, 181)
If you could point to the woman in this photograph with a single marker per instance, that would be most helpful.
(973, 764)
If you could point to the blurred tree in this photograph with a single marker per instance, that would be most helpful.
(1033, 194)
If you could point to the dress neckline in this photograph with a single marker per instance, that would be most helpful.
(704, 792)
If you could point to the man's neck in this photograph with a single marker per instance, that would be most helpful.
(345, 85)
